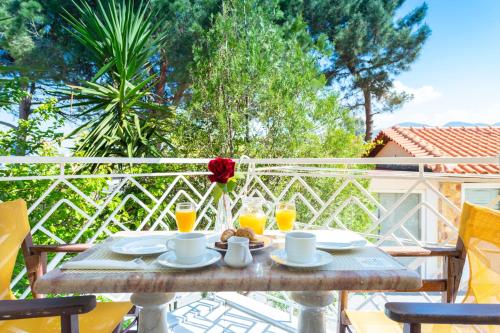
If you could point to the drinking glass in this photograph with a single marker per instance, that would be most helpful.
(185, 216)
(285, 215)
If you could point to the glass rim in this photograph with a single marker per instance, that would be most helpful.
(285, 204)
(185, 206)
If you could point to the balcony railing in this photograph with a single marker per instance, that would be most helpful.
(390, 201)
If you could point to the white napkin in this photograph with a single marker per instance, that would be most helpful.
(136, 264)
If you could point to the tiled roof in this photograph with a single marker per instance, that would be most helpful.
(446, 142)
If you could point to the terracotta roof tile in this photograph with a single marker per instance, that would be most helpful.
(447, 142)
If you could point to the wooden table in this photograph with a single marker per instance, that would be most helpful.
(313, 290)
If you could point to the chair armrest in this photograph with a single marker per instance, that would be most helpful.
(68, 248)
(417, 251)
(47, 307)
(442, 313)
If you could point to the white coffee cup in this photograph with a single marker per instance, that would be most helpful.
(300, 247)
(189, 247)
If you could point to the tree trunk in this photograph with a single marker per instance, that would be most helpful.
(25, 107)
(247, 120)
(368, 114)
(24, 114)
(179, 92)
(162, 80)
(230, 133)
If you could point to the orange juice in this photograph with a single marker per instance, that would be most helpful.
(285, 219)
(256, 222)
(185, 220)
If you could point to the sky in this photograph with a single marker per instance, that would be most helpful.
(457, 76)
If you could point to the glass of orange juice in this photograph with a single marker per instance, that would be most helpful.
(185, 216)
(285, 215)
(252, 215)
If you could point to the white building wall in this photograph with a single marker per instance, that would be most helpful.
(392, 149)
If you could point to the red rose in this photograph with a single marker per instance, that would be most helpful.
(222, 169)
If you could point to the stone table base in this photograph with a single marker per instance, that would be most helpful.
(153, 313)
(312, 316)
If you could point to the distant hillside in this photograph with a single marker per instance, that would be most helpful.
(410, 124)
(464, 124)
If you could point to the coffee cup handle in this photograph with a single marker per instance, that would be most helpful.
(172, 248)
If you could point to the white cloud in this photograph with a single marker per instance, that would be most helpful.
(420, 95)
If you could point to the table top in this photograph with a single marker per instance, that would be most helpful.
(262, 275)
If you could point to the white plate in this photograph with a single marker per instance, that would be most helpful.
(321, 258)
(267, 243)
(140, 246)
(169, 260)
(341, 246)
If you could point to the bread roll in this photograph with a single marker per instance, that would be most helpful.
(246, 232)
(227, 234)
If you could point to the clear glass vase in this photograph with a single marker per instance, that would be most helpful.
(224, 218)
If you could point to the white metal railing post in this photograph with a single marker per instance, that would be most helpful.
(62, 172)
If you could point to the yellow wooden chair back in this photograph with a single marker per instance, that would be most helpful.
(14, 227)
(480, 233)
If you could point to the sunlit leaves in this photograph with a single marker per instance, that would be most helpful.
(258, 90)
(39, 135)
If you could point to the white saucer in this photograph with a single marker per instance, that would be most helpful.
(321, 258)
(141, 246)
(169, 260)
(341, 246)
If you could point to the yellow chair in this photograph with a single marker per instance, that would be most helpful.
(479, 239)
(14, 228)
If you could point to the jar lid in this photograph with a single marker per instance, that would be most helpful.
(252, 201)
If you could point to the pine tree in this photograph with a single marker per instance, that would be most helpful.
(185, 23)
(371, 44)
(37, 51)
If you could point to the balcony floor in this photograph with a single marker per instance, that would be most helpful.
(229, 312)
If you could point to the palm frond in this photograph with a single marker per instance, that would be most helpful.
(122, 38)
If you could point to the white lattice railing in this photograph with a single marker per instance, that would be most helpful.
(74, 200)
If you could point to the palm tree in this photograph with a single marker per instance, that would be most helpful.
(117, 102)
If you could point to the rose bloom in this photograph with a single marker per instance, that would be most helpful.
(222, 169)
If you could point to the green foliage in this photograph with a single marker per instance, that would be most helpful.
(117, 100)
(10, 88)
(33, 38)
(370, 44)
(257, 91)
(220, 188)
(16, 37)
(39, 135)
(185, 23)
